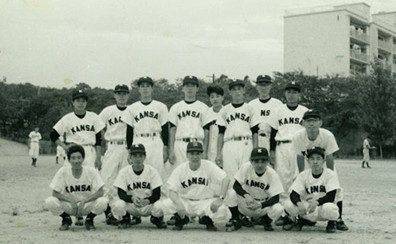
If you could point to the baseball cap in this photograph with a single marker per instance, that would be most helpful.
(293, 85)
(190, 79)
(236, 82)
(311, 114)
(194, 147)
(215, 89)
(79, 93)
(317, 150)
(137, 148)
(263, 79)
(259, 153)
(145, 80)
(121, 88)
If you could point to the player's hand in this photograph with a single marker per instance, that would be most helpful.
(172, 157)
(165, 154)
(312, 205)
(254, 205)
(215, 205)
(80, 209)
(301, 209)
(98, 163)
(248, 199)
(144, 202)
(219, 160)
(137, 201)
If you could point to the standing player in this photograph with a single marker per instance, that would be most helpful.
(60, 153)
(216, 98)
(262, 107)
(34, 138)
(258, 187)
(313, 194)
(186, 121)
(314, 136)
(81, 127)
(366, 151)
(116, 156)
(139, 189)
(77, 190)
(191, 191)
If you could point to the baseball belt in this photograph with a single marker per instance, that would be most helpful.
(238, 138)
(284, 141)
(117, 142)
(147, 134)
(187, 139)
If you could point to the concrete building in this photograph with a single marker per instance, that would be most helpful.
(341, 39)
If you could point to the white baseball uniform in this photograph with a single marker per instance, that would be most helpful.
(65, 183)
(210, 122)
(189, 121)
(197, 190)
(238, 145)
(116, 156)
(287, 122)
(147, 121)
(263, 111)
(366, 150)
(309, 187)
(141, 186)
(81, 131)
(35, 137)
(60, 152)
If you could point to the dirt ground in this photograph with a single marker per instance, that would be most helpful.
(369, 210)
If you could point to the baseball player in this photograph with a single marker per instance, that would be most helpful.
(366, 151)
(60, 153)
(139, 189)
(192, 191)
(186, 121)
(116, 156)
(314, 136)
(313, 194)
(262, 107)
(258, 188)
(34, 138)
(216, 98)
(237, 134)
(81, 127)
(77, 190)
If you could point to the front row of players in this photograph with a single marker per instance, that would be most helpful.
(197, 188)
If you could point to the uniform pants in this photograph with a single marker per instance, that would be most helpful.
(34, 149)
(327, 211)
(286, 166)
(57, 207)
(235, 153)
(264, 141)
(119, 208)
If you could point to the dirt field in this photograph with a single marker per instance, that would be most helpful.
(369, 210)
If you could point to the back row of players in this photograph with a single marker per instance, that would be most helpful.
(228, 135)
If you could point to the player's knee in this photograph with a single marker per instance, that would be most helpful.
(51, 203)
(100, 205)
(330, 211)
(275, 211)
(231, 199)
(290, 208)
(156, 209)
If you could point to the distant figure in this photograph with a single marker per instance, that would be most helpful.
(34, 138)
(60, 152)
(366, 151)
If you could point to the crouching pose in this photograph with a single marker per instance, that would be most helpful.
(313, 194)
(139, 189)
(77, 190)
(258, 187)
(193, 191)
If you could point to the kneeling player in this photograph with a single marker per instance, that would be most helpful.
(139, 189)
(77, 190)
(313, 194)
(192, 191)
(258, 188)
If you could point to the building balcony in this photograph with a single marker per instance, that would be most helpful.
(358, 56)
(360, 36)
(385, 46)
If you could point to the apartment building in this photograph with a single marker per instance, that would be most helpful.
(340, 39)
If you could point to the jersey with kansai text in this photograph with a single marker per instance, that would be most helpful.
(88, 183)
(199, 184)
(325, 140)
(115, 127)
(263, 111)
(80, 131)
(138, 185)
(259, 187)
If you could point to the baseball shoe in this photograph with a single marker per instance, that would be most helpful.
(136, 220)
(245, 221)
(171, 221)
(158, 221)
(125, 222)
(331, 226)
(66, 222)
(340, 225)
(289, 223)
(281, 221)
(110, 220)
(233, 225)
(79, 221)
(266, 222)
(179, 222)
(205, 220)
(89, 224)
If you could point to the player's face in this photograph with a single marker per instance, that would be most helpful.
(121, 98)
(260, 165)
(36, 129)
(237, 93)
(312, 124)
(263, 88)
(190, 90)
(194, 159)
(80, 104)
(316, 162)
(145, 89)
(292, 96)
(216, 99)
(137, 159)
(76, 160)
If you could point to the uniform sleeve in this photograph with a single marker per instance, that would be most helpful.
(332, 145)
(60, 127)
(57, 183)
(276, 186)
(273, 119)
(204, 114)
(221, 117)
(97, 181)
(298, 184)
(332, 182)
(174, 179)
(254, 117)
(30, 135)
(173, 115)
(103, 116)
(120, 181)
(156, 180)
(99, 124)
(164, 115)
(216, 173)
(127, 116)
(39, 137)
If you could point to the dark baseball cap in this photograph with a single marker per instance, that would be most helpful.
(259, 153)
(137, 148)
(190, 79)
(121, 88)
(263, 79)
(311, 114)
(79, 93)
(317, 150)
(145, 80)
(294, 86)
(236, 82)
(194, 147)
(215, 89)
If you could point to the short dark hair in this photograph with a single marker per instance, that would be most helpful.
(75, 148)
(215, 89)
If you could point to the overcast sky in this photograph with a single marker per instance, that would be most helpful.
(59, 43)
